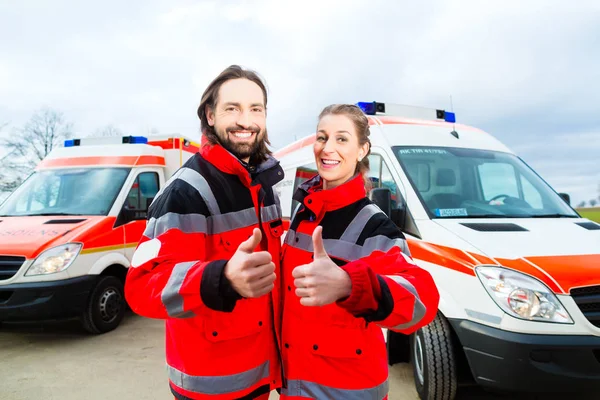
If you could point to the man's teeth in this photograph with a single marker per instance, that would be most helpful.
(330, 162)
(242, 135)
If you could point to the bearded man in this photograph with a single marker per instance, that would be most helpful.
(208, 260)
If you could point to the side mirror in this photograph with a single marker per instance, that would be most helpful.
(565, 197)
(382, 197)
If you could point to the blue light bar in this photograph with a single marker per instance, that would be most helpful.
(367, 108)
(69, 143)
(449, 117)
(135, 139)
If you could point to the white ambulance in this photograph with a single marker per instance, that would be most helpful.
(517, 268)
(68, 232)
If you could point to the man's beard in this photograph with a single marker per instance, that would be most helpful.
(241, 150)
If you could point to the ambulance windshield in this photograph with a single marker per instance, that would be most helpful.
(81, 191)
(472, 183)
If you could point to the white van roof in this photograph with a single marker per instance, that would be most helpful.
(401, 131)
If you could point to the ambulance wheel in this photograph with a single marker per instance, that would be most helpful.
(106, 306)
(433, 361)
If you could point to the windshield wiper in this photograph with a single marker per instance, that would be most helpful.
(50, 214)
(554, 216)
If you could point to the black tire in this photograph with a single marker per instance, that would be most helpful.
(433, 361)
(106, 306)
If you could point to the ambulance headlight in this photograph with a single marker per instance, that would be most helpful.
(54, 260)
(522, 296)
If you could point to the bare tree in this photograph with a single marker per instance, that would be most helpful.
(109, 130)
(27, 146)
(581, 205)
(7, 179)
(593, 202)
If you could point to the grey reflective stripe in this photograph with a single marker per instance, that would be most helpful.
(171, 298)
(295, 211)
(187, 223)
(232, 220)
(276, 196)
(382, 243)
(167, 183)
(418, 310)
(198, 182)
(357, 226)
(270, 213)
(311, 390)
(198, 223)
(404, 247)
(342, 249)
(218, 384)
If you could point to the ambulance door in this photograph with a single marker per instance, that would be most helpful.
(134, 212)
(381, 176)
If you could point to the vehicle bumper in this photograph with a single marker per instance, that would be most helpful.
(45, 300)
(530, 363)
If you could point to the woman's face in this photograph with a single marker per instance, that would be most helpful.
(337, 149)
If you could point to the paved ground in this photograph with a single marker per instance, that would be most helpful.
(60, 362)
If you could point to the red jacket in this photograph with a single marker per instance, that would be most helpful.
(338, 351)
(218, 345)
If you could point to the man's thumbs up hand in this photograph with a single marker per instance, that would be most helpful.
(320, 282)
(250, 244)
(251, 273)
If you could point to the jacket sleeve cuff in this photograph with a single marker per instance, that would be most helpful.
(215, 289)
(364, 297)
(385, 306)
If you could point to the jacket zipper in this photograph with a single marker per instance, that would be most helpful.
(273, 329)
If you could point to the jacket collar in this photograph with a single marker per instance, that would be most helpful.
(313, 196)
(226, 162)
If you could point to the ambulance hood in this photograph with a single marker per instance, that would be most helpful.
(563, 252)
(29, 236)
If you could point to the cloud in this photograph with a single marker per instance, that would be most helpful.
(523, 71)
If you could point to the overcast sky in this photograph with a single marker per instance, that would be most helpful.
(526, 71)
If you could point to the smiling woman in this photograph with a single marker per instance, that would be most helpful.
(348, 273)
(342, 144)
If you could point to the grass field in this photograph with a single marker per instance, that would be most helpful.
(590, 213)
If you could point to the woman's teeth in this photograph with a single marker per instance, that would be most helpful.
(330, 162)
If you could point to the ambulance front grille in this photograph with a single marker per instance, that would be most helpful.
(588, 301)
(9, 265)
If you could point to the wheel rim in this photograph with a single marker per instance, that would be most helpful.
(418, 350)
(110, 305)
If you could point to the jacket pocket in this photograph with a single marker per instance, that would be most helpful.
(337, 342)
(231, 240)
(249, 318)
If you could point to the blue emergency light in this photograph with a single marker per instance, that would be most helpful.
(107, 140)
(373, 107)
(135, 139)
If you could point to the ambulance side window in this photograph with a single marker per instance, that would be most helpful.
(303, 173)
(380, 176)
(141, 193)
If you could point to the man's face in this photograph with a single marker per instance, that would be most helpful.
(239, 117)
